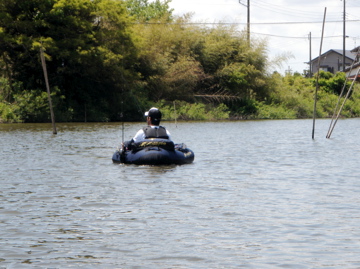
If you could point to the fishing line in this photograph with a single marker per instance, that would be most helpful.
(122, 97)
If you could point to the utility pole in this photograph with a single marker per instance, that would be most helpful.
(248, 19)
(288, 71)
(344, 35)
(310, 63)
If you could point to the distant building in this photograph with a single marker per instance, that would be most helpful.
(332, 61)
(351, 72)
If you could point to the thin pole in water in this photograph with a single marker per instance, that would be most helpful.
(48, 89)
(342, 106)
(317, 77)
(339, 99)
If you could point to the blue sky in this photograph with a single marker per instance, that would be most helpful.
(285, 24)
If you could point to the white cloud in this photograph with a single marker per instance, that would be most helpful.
(275, 19)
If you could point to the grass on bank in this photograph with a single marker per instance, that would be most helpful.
(292, 98)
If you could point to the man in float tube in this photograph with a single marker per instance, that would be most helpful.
(153, 130)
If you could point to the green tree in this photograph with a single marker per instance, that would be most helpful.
(144, 11)
(167, 61)
(88, 47)
(182, 61)
(232, 67)
(332, 83)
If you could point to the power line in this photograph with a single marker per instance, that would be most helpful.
(244, 23)
(292, 12)
(294, 37)
(285, 10)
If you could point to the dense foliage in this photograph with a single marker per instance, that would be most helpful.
(110, 60)
(89, 51)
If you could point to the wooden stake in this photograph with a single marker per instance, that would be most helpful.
(342, 106)
(48, 90)
(332, 125)
(317, 78)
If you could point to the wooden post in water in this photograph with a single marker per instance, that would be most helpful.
(317, 78)
(339, 99)
(48, 90)
(342, 106)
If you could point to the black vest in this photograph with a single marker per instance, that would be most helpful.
(155, 132)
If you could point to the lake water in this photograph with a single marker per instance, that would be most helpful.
(260, 194)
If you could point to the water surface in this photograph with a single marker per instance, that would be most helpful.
(260, 194)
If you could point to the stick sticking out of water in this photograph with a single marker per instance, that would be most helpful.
(48, 89)
(317, 77)
(342, 106)
(336, 113)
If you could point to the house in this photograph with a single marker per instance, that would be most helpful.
(332, 61)
(351, 71)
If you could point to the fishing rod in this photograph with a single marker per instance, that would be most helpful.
(175, 116)
(122, 125)
(122, 97)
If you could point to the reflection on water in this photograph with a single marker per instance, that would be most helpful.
(260, 194)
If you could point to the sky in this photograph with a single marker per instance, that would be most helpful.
(284, 24)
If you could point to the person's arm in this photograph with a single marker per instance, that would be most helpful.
(168, 134)
(139, 136)
(127, 145)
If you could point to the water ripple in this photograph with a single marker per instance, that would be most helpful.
(260, 194)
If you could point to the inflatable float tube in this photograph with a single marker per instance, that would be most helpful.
(154, 152)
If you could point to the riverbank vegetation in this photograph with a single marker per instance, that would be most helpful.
(110, 60)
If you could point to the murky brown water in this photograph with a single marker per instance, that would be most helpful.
(260, 194)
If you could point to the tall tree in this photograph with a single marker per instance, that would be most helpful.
(88, 47)
(144, 11)
(233, 68)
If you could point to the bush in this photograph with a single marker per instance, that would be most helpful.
(32, 106)
(182, 110)
(8, 113)
(274, 112)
